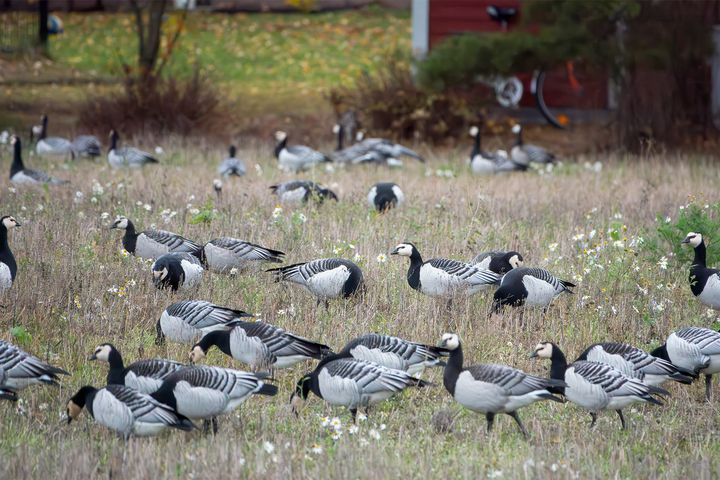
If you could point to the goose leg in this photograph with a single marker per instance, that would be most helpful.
(214, 425)
(448, 305)
(622, 418)
(708, 388)
(353, 411)
(516, 417)
(594, 419)
(206, 426)
(490, 417)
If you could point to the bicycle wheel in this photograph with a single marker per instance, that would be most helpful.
(537, 86)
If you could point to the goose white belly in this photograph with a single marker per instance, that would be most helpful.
(177, 330)
(21, 383)
(516, 402)
(199, 402)
(436, 282)
(482, 166)
(294, 196)
(112, 413)
(115, 160)
(145, 429)
(236, 402)
(479, 396)
(584, 393)
(710, 295)
(618, 403)
(714, 365)
(221, 259)
(146, 247)
(5, 277)
(288, 161)
(193, 274)
(22, 178)
(339, 391)
(328, 284)
(288, 361)
(53, 146)
(373, 398)
(539, 292)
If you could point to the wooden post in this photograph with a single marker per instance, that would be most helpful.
(715, 104)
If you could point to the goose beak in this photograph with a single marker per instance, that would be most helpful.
(92, 357)
(395, 251)
(533, 355)
(685, 240)
(18, 224)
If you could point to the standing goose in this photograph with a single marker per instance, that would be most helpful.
(352, 383)
(145, 376)
(441, 277)
(127, 156)
(481, 162)
(704, 282)
(260, 345)
(694, 349)
(231, 165)
(325, 278)
(596, 386)
(295, 158)
(21, 175)
(126, 411)
(50, 145)
(151, 244)
(523, 154)
(8, 266)
(385, 195)
(188, 320)
(383, 152)
(177, 271)
(498, 261)
(87, 146)
(225, 253)
(529, 286)
(493, 389)
(19, 369)
(300, 191)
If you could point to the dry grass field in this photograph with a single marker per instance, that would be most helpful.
(75, 289)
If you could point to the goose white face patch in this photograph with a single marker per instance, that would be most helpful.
(10, 222)
(451, 341)
(515, 262)
(544, 350)
(516, 128)
(280, 135)
(404, 250)
(102, 353)
(694, 239)
(121, 223)
(474, 131)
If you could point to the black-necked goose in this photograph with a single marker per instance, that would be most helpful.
(177, 271)
(231, 165)
(481, 162)
(523, 154)
(295, 158)
(151, 244)
(87, 146)
(352, 383)
(704, 281)
(384, 152)
(394, 352)
(21, 175)
(442, 277)
(596, 386)
(225, 253)
(260, 345)
(50, 145)
(347, 154)
(529, 286)
(498, 261)
(300, 191)
(326, 278)
(694, 349)
(19, 369)
(126, 411)
(491, 388)
(145, 376)
(8, 395)
(119, 157)
(8, 266)
(385, 195)
(188, 320)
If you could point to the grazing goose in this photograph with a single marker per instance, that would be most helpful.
(348, 154)
(260, 345)
(188, 320)
(126, 411)
(384, 152)
(152, 244)
(145, 376)
(19, 369)
(636, 363)
(704, 282)
(325, 278)
(385, 195)
(352, 383)
(50, 145)
(21, 175)
(8, 395)
(394, 352)
(596, 386)
(87, 146)
(295, 158)
(300, 191)
(225, 253)
(694, 349)
(177, 271)
(127, 156)
(231, 165)
(498, 261)
(441, 277)
(529, 286)
(8, 266)
(522, 153)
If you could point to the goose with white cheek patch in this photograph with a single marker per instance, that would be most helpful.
(491, 388)
(126, 411)
(704, 281)
(20, 175)
(596, 386)
(481, 162)
(187, 321)
(19, 369)
(231, 166)
(345, 155)
(152, 244)
(352, 383)
(225, 253)
(533, 287)
(120, 157)
(523, 154)
(498, 261)
(296, 158)
(385, 195)
(145, 376)
(177, 271)
(260, 345)
(441, 277)
(53, 146)
(8, 266)
(300, 191)
(694, 349)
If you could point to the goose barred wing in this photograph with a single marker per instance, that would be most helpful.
(18, 364)
(157, 368)
(247, 250)
(225, 380)
(708, 341)
(42, 177)
(370, 377)
(87, 145)
(538, 154)
(465, 271)
(515, 381)
(201, 314)
(613, 382)
(301, 272)
(542, 274)
(280, 342)
(306, 154)
(143, 407)
(349, 154)
(133, 156)
(640, 359)
(174, 242)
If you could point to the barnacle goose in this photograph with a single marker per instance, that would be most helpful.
(300, 191)
(498, 261)
(523, 154)
(87, 146)
(529, 286)
(441, 277)
(21, 175)
(177, 271)
(383, 151)
(295, 158)
(385, 195)
(8, 266)
(596, 386)
(152, 244)
(188, 320)
(126, 411)
(694, 349)
(351, 383)
(325, 278)
(145, 376)
(704, 282)
(231, 165)
(260, 345)
(225, 253)
(348, 154)
(50, 145)
(486, 163)
(19, 369)
(394, 352)
(127, 156)
(491, 388)
(8, 395)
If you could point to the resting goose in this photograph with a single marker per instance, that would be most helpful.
(394, 352)
(19, 369)
(177, 271)
(384, 152)
(260, 345)
(225, 253)
(533, 287)
(523, 154)
(50, 145)
(704, 282)
(87, 146)
(231, 165)
(188, 320)
(300, 191)
(596, 386)
(481, 162)
(497, 261)
(127, 156)
(385, 195)
(145, 376)
(295, 158)
(151, 244)
(348, 154)
(21, 175)
(126, 411)
(694, 349)
(325, 278)
(8, 266)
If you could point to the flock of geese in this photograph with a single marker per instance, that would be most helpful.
(149, 396)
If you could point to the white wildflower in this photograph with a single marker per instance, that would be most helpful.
(302, 218)
(159, 150)
(233, 271)
(193, 211)
(104, 216)
(277, 212)
(147, 207)
(139, 203)
(552, 247)
(268, 447)
(316, 449)
(663, 263)
(381, 258)
(578, 237)
(374, 434)
(495, 474)
(353, 429)
(592, 234)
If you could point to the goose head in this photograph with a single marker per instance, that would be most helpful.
(543, 350)
(406, 249)
(516, 129)
(197, 353)
(102, 353)
(76, 404)
(120, 223)
(474, 130)
(693, 239)
(302, 390)
(9, 222)
(451, 341)
(280, 136)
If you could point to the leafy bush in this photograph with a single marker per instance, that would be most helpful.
(693, 217)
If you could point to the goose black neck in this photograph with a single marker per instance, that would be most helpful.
(519, 139)
(130, 238)
(116, 374)
(661, 352)
(113, 141)
(219, 338)
(476, 146)
(280, 146)
(558, 364)
(43, 128)
(232, 151)
(700, 255)
(3, 238)
(453, 367)
(413, 274)
(17, 164)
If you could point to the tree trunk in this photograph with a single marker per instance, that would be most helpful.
(149, 33)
